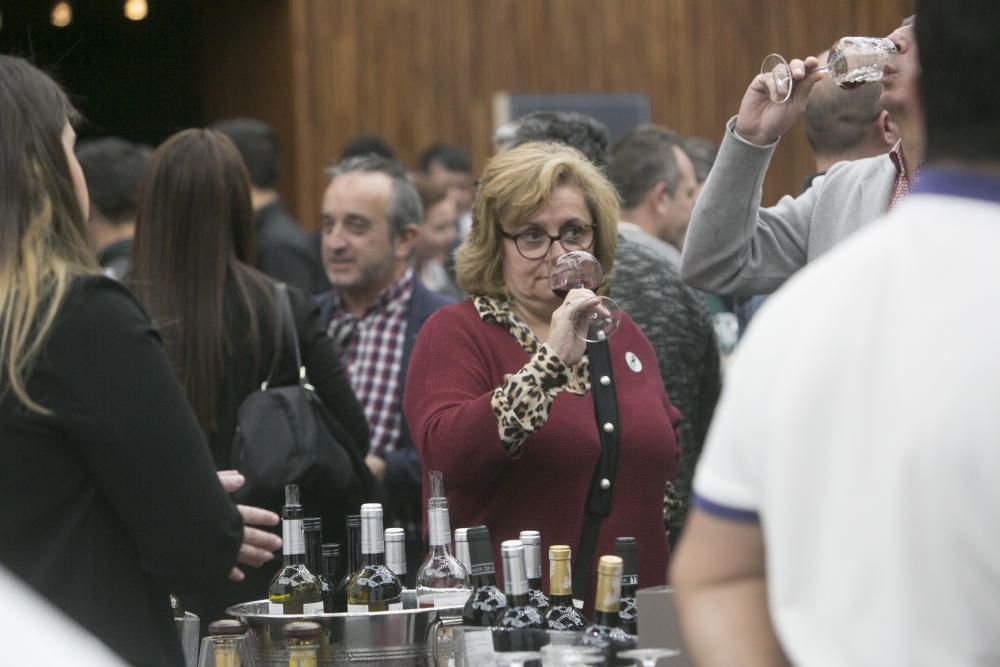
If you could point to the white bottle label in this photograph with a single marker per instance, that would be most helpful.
(479, 648)
(363, 608)
(275, 608)
(293, 535)
(312, 608)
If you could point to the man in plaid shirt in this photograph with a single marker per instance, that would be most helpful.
(371, 215)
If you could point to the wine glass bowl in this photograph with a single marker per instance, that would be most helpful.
(580, 269)
(852, 62)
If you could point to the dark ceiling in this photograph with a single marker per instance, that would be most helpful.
(136, 79)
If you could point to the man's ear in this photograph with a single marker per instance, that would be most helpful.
(405, 241)
(655, 197)
(887, 128)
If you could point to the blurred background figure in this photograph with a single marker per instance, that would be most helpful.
(367, 144)
(702, 153)
(218, 317)
(438, 237)
(113, 168)
(450, 167)
(282, 248)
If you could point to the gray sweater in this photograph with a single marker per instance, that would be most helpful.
(734, 247)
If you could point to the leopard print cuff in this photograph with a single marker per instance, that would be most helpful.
(521, 404)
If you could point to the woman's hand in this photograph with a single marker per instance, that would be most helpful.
(562, 340)
(258, 545)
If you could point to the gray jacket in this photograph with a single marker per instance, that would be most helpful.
(734, 247)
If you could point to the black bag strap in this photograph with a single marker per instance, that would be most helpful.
(599, 495)
(290, 333)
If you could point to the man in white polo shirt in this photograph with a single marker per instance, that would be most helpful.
(847, 504)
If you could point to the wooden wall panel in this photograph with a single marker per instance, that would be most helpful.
(421, 71)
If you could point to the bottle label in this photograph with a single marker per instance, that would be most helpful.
(275, 608)
(482, 568)
(363, 608)
(630, 580)
(312, 608)
(479, 647)
(293, 535)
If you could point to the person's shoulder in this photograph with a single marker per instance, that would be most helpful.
(96, 305)
(276, 228)
(455, 313)
(856, 170)
(424, 300)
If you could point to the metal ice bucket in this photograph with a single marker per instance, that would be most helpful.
(386, 638)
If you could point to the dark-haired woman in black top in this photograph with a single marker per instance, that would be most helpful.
(190, 269)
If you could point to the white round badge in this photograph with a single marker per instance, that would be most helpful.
(633, 362)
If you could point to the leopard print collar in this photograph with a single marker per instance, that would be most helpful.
(497, 310)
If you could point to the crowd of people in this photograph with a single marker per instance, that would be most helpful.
(839, 513)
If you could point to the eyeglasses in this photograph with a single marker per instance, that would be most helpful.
(535, 244)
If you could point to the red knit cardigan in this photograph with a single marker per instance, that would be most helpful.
(457, 363)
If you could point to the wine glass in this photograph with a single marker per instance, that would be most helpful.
(647, 657)
(581, 269)
(852, 62)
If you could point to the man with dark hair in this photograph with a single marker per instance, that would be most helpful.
(283, 250)
(367, 144)
(371, 215)
(113, 168)
(451, 168)
(673, 316)
(657, 183)
(846, 124)
(735, 247)
(847, 515)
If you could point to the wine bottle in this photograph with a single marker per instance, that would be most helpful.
(462, 548)
(628, 614)
(604, 632)
(441, 580)
(294, 589)
(521, 619)
(330, 575)
(395, 551)
(373, 587)
(486, 603)
(532, 541)
(313, 529)
(303, 639)
(225, 635)
(353, 562)
(562, 615)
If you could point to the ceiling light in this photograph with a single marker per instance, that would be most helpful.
(136, 10)
(62, 15)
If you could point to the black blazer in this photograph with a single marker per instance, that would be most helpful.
(112, 501)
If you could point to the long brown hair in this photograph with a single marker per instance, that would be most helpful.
(194, 234)
(43, 244)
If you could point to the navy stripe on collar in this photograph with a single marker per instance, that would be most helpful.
(959, 183)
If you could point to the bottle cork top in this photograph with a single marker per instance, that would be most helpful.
(226, 627)
(559, 552)
(610, 565)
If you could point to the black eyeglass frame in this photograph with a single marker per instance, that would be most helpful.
(552, 239)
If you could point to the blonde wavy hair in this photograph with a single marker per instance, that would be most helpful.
(43, 244)
(515, 184)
